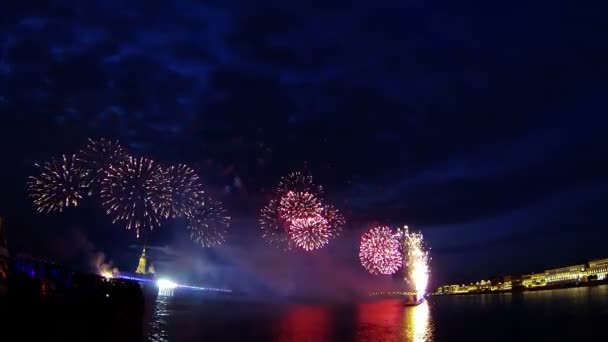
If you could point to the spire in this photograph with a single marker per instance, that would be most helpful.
(141, 267)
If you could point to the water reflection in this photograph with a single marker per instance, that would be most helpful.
(158, 327)
(387, 320)
(417, 326)
(378, 321)
(507, 317)
(390, 320)
(305, 323)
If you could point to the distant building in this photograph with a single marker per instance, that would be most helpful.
(566, 275)
(598, 269)
(535, 280)
(517, 282)
(594, 270)
(484, 285)
(507, 283)
(449, 289)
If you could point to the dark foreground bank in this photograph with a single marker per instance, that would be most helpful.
(44, 302)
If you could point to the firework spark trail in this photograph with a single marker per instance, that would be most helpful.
(274, 227)
(298, 182)
(184, 190)
(133, 191)
(298, 205)
(416, 260)
(310, 233)
(97, 156)
(335, 220)
(379, 251)
(61, 183)
(209, 223)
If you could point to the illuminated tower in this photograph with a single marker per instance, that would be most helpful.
(141, 267)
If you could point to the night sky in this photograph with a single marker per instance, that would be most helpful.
(482, 125)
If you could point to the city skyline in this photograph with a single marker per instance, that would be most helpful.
(588, 272)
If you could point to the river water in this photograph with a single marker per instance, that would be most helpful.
(575, 314)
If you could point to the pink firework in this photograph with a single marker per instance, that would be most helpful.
(299, 205)
(379, 251)
(310, 233)
(335, 220)
(297, 217)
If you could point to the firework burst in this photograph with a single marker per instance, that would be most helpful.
(310, 233)
(133, 191)
(185, 191)
(335, 220)
(297, 217)
(416, 260)
(298, 182)
(209, 223)
(379, 251)
(61, 183)
(97, 156)
(274, 227)
(299, 205)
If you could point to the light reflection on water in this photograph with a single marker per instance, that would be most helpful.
(390, 320)
(579, 312)
(417, 326)
(158, 327)
(387, 320)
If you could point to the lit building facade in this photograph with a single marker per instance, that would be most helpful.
(535, 280)
(598, 269)
(484, 285)
(566, 275)
(507, 283)
(592, 271)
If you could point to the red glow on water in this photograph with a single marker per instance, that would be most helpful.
(390, 320)
(305, 323)
(380, 313)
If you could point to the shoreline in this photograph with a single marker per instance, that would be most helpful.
(529, 289)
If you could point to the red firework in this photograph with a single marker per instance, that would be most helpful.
(297, 217)
(310, 233)
(379, 251)
(299, 205)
